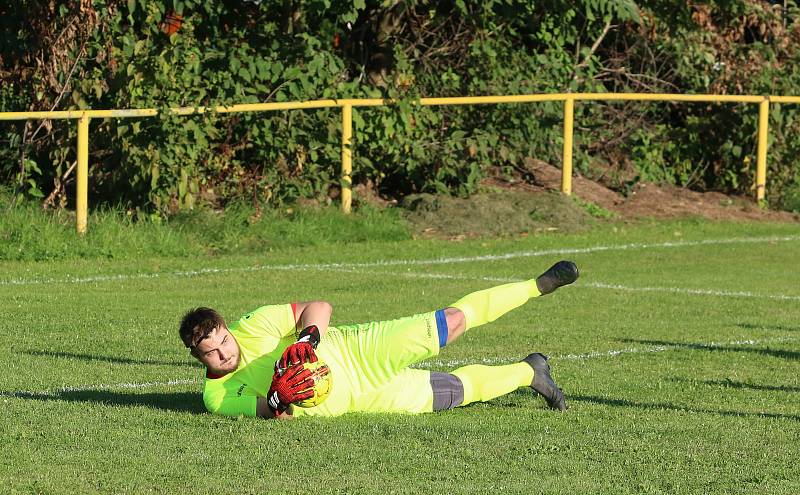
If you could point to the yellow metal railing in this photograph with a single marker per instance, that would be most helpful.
(347, 156)
(84, 117)
(566, 157)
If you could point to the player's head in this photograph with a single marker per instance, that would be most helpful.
(204, 332)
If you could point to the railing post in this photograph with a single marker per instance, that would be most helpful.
(566, 166)
(347, 156)
(82, 193)
(761, 160)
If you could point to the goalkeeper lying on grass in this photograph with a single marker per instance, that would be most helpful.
(254, 368)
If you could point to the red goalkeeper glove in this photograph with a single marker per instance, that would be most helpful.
(291, 385)
(301, 351)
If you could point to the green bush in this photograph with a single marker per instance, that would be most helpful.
(790, 200)
(118, 54)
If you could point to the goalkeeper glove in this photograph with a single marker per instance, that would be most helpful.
(291, 385)
(301, 351)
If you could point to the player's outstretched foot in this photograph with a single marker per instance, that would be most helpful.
(562, 273)
(543, 383)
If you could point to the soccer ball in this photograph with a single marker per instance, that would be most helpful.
(321, 375)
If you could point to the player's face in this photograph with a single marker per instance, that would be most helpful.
(219, 352)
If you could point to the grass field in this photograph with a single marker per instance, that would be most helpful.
(678, 349)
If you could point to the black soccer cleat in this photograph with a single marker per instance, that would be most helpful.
(560, 274)
(543, 383)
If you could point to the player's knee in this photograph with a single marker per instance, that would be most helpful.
(448, 391)
(456, 322)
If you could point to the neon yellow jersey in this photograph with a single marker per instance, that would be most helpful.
(262, 336)
(369, 364)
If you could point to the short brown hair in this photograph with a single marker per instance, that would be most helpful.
(197, 324)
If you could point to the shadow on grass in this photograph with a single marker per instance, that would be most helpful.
(780, 353)
(662, 406)
(741, 385)
(757, 326)
(109, 359)
(188, 402)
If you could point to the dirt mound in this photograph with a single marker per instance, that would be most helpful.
(517, 206)
(658, 201)
(548, 177)
(494, 213)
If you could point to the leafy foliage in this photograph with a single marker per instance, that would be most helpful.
(168, 53)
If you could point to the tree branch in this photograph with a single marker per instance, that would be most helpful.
(593, 49)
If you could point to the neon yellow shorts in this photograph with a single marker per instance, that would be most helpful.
(369, 365)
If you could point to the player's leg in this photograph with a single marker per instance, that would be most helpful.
(487, 305)
(420, 391)
(480, 383)
(378, 351)
(409, 391)
(375, 353)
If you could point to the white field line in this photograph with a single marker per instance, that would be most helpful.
(696, 292)
(609, 354)
(591, 285)
(385, 263)
(446, 363)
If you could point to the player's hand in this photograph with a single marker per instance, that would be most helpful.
(297, 353)
(301, 351)
(292, 385)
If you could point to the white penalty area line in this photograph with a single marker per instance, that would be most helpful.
(590, 285)
(388, 263)
(445, 363)
(694, 292)
(612, 353)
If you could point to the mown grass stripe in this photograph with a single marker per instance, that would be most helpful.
(102, 386)
(429, 363)
(383, 263)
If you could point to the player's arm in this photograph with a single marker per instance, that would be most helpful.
(317, 313)
(311, 321)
